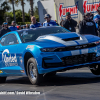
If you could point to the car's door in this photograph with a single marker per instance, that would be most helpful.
(8, 50)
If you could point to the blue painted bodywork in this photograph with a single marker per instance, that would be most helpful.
(16, 64)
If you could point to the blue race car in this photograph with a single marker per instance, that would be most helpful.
(46, 50)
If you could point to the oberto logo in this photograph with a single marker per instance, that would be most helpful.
(8, 59)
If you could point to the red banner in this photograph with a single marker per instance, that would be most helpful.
(90, 7)
(72, 9)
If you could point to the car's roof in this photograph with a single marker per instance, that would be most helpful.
(37, 28)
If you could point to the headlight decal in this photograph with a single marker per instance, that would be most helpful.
(69, 48)
(47, 49)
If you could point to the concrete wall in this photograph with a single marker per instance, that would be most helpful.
(45, 7)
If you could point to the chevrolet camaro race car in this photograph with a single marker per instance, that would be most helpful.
(46, 50)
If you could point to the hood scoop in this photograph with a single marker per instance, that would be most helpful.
(67, 36)
(71, 39)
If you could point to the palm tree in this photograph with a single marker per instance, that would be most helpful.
(13, 10)
(16, 3)
(5, 7)
(31, 4)
(12, 2)
(23, 14)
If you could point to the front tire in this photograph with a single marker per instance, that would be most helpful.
(32, 72)
(3, 79)
(95, 69)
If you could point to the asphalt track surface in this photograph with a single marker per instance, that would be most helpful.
(77, 84)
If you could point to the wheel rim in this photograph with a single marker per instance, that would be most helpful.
(32, 71)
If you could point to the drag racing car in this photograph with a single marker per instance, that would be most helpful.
(46, 50)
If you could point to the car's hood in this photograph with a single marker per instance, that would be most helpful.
(63, 39)
(91, 38)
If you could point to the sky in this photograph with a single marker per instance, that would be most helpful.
(26, 6)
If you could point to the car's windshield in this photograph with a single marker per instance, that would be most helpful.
(33, 34)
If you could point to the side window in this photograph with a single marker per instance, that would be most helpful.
(9, 40)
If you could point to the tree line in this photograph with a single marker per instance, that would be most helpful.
(18, 15)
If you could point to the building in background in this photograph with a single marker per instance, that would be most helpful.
(58, 8)
(44, 7)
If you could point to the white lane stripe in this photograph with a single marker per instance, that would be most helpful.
(84, 51)
(2, 85)
(44, 93)
(59, 40)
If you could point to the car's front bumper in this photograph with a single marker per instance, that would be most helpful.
(54, 61)
(43, 71)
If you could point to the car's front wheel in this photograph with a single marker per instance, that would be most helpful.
(2, 79)
(95, 69)
(32, 72)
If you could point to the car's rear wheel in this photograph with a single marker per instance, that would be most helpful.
(3, 79)
(95, 69)
(32, 72)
